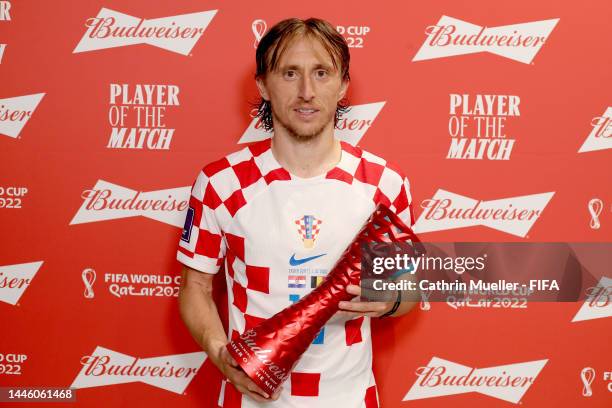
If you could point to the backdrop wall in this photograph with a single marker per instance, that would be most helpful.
(498, 104)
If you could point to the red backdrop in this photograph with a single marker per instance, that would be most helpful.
(58, 151)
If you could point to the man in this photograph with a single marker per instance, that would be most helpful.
(279, 213)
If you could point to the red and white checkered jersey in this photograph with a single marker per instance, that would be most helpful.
(279, 235)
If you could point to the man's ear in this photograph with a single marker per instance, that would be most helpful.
(262, 89)
(343, 89)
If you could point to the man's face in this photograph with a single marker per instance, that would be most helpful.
(304, 89)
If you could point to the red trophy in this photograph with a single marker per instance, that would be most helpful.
(268, 352)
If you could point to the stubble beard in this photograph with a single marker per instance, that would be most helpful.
(299, 136)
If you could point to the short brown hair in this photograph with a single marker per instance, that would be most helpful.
(274, 43)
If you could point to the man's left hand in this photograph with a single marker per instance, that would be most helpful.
(356, 309)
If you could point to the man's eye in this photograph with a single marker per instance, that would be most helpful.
(321, 73)
(290, 74)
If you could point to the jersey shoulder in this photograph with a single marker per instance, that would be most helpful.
(370, 168)
(229, 183)
(236, 165)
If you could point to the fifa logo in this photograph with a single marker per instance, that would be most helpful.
(587, 375)
(259, 28)
(595, 208)
(89, 277)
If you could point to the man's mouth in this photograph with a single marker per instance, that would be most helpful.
(306, 112)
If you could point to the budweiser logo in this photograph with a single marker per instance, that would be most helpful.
(108, 201)
(442, 377)
(601, 135)
(110, 29)
(515, 215)
(5, 7)
(350, 128)
(15, 113)
(108, 367)
(262, 354)
(598, 303)
(15, 279)
(451, 36)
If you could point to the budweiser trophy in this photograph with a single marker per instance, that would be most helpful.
(268, 352)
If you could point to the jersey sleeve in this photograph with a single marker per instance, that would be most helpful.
(403, 203)
(201, 245)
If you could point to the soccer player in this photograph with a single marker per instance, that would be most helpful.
(278, 214)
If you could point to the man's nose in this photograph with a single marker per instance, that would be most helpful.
(307, 91)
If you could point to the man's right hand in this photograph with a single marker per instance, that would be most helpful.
(199, 312)
(228, 366)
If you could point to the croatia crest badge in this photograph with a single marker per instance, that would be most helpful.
(308, 228)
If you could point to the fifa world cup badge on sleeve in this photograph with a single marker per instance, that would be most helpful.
(186, 236)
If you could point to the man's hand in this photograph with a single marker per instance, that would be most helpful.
(239, 379)
(355, 309)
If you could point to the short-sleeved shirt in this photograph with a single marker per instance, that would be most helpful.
(278, 236)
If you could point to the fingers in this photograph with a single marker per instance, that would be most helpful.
(276, 394)
(251, 386)
(252, 394)
(354, 290)
(245, 385)
(227, 358)
(350, 315)
(242, 382)
(364, 307)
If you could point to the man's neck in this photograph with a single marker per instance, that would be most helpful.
(306, 159)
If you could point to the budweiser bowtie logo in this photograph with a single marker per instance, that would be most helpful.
(350, 128)
(108, 201)
(108, 367)
(442, 377)
(15, 113)
(111, 29)
(15, 279)
(451, 36)
(601, 135)
(515, 215)
(598, 303)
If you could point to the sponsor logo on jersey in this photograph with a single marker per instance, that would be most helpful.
(293, 261)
